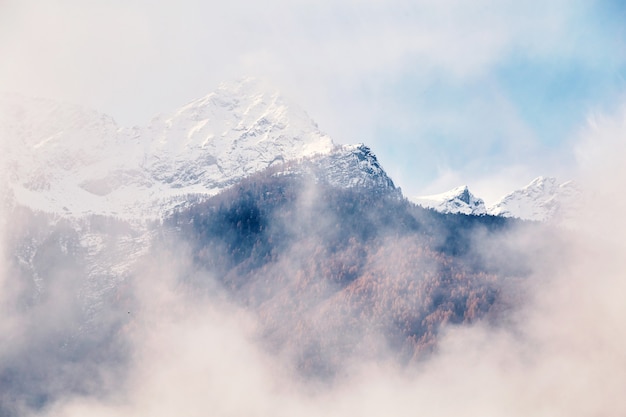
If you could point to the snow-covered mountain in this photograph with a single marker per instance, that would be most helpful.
(75, 172)
(351, 166)
(86, 276)
(237, 130)
(70, 160)
(457, 200)
(544, 199)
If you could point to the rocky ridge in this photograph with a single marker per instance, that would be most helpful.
(73, 161)
(543, 199)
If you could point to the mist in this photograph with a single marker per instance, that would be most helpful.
(101, 317)
(161, 344)
(400, 76)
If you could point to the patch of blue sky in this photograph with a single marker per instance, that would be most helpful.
(522, 111)
(527, 103)
(434, 125)
(450, 119)
(554, 97)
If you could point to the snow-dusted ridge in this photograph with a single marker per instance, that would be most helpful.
(353, 166)
(235, 131)
(73, 161)
(457, 200)
(544, 199)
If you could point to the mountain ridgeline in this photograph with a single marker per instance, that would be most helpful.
(240, 200)
(338, 274)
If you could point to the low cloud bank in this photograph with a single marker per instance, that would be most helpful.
(559, 353)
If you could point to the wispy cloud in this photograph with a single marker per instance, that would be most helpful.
(560, 353)
(410, 78)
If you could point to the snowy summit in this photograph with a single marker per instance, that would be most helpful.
(457, 200)
(74, 161)
(544, 199)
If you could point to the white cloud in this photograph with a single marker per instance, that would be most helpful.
(122, 56)
(567, 357)
(562, 353)
(346, 62)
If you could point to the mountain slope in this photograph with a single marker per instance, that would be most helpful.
(330, 274)
(261, 214)
(340, 274)
(237, 130)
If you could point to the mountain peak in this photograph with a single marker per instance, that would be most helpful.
(73, 161)
(542, 199)
(542, 183)
(238, 129)
(463, 194)
(457, 200)
(355, 166)
(235, 95)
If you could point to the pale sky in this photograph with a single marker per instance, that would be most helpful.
(446, 92)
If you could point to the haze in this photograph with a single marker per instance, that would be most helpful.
(489, 94)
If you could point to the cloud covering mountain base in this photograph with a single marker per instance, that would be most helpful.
(196, 353)
(562, 353)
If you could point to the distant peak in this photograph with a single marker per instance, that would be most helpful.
(457, 200)
(542, 199)
(465, 196)
(541, 180)
(460, 189)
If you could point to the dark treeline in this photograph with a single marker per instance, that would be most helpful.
(337, 273)
(334, 276)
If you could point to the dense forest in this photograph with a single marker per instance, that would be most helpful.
(333, 276)
(349, 273)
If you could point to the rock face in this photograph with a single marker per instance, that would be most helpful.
(352, 166)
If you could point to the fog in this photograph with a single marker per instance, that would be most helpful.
(178, 351)
(409, 78)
